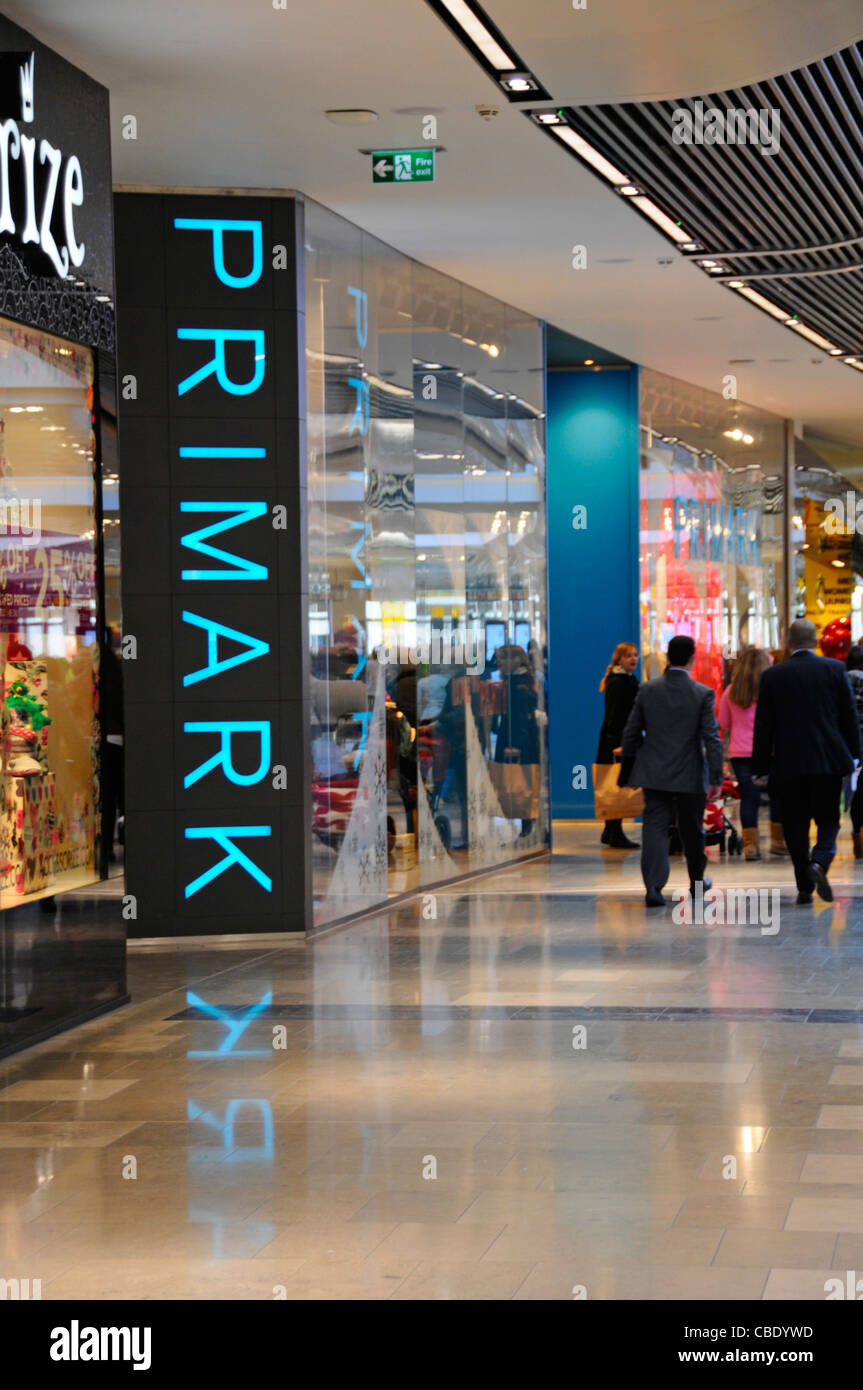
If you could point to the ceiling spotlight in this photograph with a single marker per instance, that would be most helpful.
(19, 409)
(351, 116)
(712, 266)
(548, 117)
(629, 190)
(519, 82)
(748, 439)
(835, 352)
(735, 284)
(588, 361)
(691, 246)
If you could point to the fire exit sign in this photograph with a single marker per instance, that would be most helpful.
(402, 166)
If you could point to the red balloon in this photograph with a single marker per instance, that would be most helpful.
(836, 638)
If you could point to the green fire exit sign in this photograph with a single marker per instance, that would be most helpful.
(403, 166)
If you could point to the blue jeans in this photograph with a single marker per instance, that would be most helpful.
(750, 795)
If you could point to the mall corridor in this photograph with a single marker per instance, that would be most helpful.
(542, 1088)
(431, 677)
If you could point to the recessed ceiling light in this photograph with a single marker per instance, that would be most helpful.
(588, 361)
(735, 284)
(351, 116)
(34, 409)
(835, 352)
(479, 35)
(519, 82)
(629, 190)
(548, 117)
(19, 409)
(691, 246)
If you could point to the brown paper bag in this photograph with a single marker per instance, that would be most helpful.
(614, 802)
(517, 788)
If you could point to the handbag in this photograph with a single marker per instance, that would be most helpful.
(612, 801)
(516, 785)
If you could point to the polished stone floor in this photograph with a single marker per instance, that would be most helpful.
(541, 1089)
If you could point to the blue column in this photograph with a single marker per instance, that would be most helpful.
(592, 562)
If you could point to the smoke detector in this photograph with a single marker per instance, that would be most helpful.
(487, 110)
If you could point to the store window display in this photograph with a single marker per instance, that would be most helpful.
(49, 726)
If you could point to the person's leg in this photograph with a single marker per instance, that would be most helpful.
(690, 820)
(654, 838)
(750, 800)
(612, 828)
(750, 795)
(826, 803)
(796, 815)
(857, 819)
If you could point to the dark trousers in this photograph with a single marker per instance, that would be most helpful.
(656, 823)
(857, 805)
(803, 800)
(750, 795)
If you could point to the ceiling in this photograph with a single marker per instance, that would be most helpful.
(233, 96)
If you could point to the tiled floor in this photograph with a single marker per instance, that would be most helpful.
(541, 1090)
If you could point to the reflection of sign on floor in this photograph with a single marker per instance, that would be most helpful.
(403, 166)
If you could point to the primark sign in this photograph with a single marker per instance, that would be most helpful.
(211, 447)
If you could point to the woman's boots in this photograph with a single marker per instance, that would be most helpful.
(751, 846)
(777, 841)
(614, 838)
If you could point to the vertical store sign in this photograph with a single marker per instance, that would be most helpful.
(223, 648)
(214, 563)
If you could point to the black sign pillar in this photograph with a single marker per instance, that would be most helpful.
(210, 375)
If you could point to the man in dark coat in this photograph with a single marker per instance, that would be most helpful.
(671, 748)
(807, 736)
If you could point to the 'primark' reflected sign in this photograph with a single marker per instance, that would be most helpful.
(715, 531)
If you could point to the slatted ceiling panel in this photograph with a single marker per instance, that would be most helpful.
(790, 223)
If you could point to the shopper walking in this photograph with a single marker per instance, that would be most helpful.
(807, 736)
(737, 718)
(672, 750)
(619, 685)
(854, 667)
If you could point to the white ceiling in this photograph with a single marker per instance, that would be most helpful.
(228, 94)
(645, 50)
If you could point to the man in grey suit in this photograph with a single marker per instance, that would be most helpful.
(671, 749)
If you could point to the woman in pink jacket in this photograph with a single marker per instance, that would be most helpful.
(737, 717)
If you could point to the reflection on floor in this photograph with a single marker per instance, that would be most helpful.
(540, 1089)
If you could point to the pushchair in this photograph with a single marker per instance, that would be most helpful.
(718, 828)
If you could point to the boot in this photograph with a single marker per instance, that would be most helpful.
(608, 831)
(857, 843)
(617, 839)
(751, 846)
(778, 849)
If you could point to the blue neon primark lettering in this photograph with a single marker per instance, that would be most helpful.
(224, 838)
(196, 540)
(218, 226)
(219, 337)
(254, 648)
(227, 451)
(227, 728)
